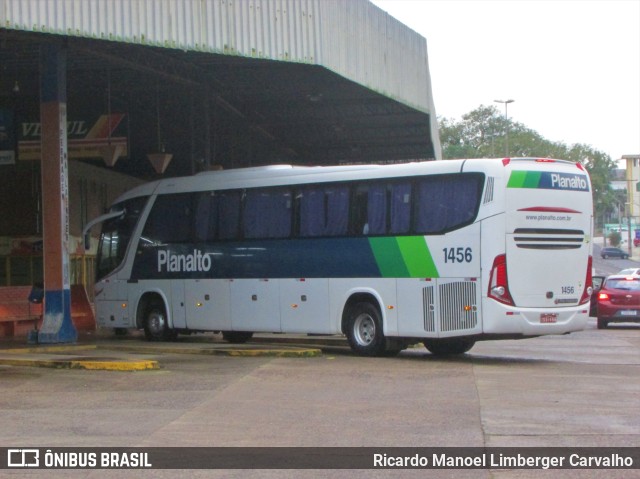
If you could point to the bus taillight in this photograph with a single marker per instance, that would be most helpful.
(588, 285)
(498, 287)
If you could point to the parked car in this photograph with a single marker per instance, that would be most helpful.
(619, 300)
(629, 271)
(610, 252)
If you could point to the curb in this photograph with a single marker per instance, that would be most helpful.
(236, 352)
(93, 364)
(111, 364)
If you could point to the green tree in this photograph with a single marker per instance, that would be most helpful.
(615, 238)
(483, 133)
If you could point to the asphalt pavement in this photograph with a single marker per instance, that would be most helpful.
(102, 350)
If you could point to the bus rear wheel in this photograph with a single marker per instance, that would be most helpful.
(156, 326)
(364, 330)
(448, 346)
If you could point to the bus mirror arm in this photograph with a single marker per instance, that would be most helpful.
(87, 229)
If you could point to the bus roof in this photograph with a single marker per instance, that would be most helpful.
(274, 175)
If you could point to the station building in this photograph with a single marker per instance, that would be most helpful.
(151, 89)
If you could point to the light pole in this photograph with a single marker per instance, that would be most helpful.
(506, 118)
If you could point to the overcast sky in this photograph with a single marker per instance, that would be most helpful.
(572, 66)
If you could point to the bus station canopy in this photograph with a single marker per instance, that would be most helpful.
(341, 82)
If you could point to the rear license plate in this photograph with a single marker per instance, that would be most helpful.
(547, 318)
(628, 313)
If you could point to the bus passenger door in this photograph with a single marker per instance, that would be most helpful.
(304, 304)
(177, 303)
(207, 303)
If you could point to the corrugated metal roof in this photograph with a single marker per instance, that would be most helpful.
(353, 38)
(322, 81)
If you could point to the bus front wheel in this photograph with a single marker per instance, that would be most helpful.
(156, 327)
(364, 330)
(449, 346)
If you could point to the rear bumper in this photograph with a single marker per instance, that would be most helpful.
(619, 314)
(502, 319)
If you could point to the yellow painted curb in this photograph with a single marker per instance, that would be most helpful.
(115, 365)
(284, 353)
(82, 364)
(280, 353)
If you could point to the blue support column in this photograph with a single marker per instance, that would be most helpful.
(57, 326)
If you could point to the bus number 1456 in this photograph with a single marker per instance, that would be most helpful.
(457, 255)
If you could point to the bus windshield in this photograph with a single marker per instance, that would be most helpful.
(115, 236)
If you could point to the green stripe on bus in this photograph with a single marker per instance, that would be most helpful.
(524, 179)
(417, 257)
(388, 257)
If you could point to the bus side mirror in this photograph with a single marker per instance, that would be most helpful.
(87, 241)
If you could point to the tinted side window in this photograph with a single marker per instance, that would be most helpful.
(400, 210)
(381, 208)
(217, 215)
(324, 210)
(446, 202)
(267, 213)
(170, 220)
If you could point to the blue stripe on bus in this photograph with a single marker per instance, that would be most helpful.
(304, 258)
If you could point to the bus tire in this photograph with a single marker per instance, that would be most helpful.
(156, 326)
(448, 346)
(237, 337)
(602, 323)
(364, 330)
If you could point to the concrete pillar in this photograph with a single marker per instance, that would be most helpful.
(57, 326)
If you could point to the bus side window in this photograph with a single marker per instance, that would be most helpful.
(228, 214)
(337, 211)
(381, 208)
(312, 212)
(400, 208)
(206, 220)
(170, 220)
(324, 211)
(377, 205)
(446, 202)
(358, 218)
(267, 213)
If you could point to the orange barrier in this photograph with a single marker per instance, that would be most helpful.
(18, 315)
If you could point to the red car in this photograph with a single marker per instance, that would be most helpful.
(619, 300)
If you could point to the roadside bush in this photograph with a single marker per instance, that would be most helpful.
(614, 238)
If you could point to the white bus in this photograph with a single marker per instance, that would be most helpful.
(444, 252)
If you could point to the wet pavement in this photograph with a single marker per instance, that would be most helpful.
(576, 390)
(102, 350)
